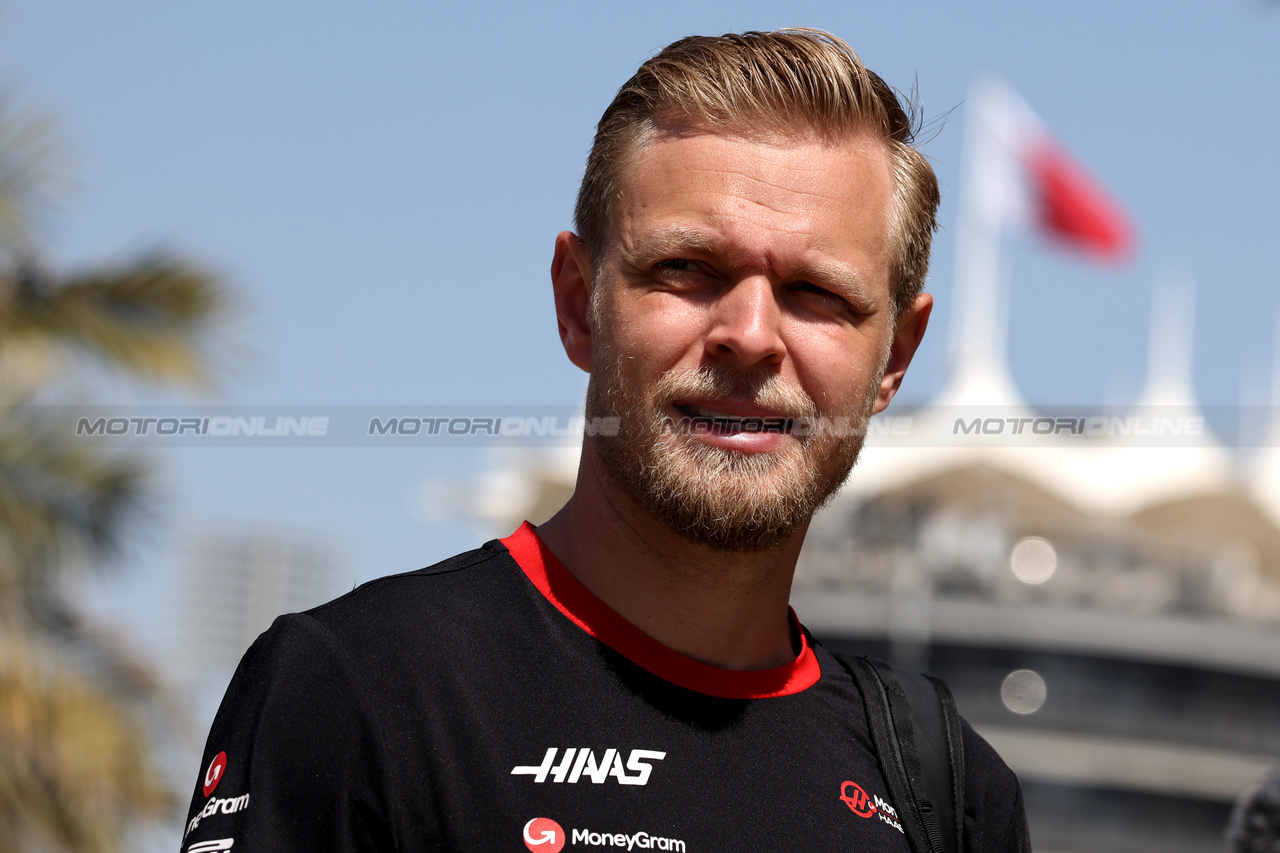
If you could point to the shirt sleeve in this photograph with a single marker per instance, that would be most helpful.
(294, 761)
(994, 818)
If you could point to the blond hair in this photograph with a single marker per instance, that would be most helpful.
(789, 82)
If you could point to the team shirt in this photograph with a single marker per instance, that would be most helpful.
(492, 703)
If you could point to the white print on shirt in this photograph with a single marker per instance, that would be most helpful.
(887, 813)
(211, 846)
(577, 763)
(864, 805)
(544, 835)
(227, 805)
(640, 840)
(213, 775)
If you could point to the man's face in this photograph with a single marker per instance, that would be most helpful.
(746, 287)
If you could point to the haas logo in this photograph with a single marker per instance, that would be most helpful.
(857, 800)
(577, 763)
(544, 835)
(213, 775)
(864, 805)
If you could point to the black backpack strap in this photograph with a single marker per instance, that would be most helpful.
(953, 829)
(936, 727)
(916, 732)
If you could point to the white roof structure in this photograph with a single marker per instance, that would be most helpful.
(1123, 462)
(1263, 469)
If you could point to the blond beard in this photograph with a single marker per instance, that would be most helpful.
(726, 499)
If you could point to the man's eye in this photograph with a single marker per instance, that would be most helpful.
(825, 296)
(806, 287)
(679, 264)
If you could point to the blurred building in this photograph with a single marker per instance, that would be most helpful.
(235, 582)
(1127, 667)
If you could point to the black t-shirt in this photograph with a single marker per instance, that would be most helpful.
(491, 703)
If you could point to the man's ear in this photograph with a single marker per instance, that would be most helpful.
(907, 334)
(571, 282)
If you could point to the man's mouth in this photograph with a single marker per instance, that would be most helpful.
(704, 420)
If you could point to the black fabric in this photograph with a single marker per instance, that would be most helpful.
(904, 713)
(888, 741)
(916, 730)
(890, 720)
(392, 719)
(986, 825)
(950, 814)
(929, 728)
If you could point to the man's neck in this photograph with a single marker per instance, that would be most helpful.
(728, 609)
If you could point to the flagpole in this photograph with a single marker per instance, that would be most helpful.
(988, 189)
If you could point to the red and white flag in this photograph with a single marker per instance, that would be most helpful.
(1015, 173)
(1027, 176)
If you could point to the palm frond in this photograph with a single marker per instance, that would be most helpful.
(148, 318)
(75, 765)
(103, 653)
(61, 505)
(28, 172)
(78, 711)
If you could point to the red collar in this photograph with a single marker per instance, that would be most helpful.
(599, 620)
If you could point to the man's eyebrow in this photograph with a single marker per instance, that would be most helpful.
(668, 241)
(852, 283)
(676, 240)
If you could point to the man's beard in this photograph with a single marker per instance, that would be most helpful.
(727, 499)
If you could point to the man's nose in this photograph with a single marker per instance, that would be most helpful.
(746, 324)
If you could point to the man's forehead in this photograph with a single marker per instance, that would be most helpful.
(826, 165)
(696, 190)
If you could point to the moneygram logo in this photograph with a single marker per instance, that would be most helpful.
(544, 835)
(216, 846)
(225, 805)
(213, 775)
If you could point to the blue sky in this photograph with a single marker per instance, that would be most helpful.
(381, 185)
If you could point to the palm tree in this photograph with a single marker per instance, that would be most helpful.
(77, 709)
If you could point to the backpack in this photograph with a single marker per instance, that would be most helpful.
(916, 731)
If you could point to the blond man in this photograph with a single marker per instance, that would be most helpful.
(745, 290)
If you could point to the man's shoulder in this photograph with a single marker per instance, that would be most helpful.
(439, 596)
(443, 572)
(995, 817)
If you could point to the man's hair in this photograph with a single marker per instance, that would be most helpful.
(792, 83)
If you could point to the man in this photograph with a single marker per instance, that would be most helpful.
(1254, 826)
(745, 292)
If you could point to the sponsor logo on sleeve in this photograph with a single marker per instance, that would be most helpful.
(630, 841)
(865, 805)
(857, 800)
(213, 775)
(211, 846)
(576, 763)
(225, 805)
(544, 835)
